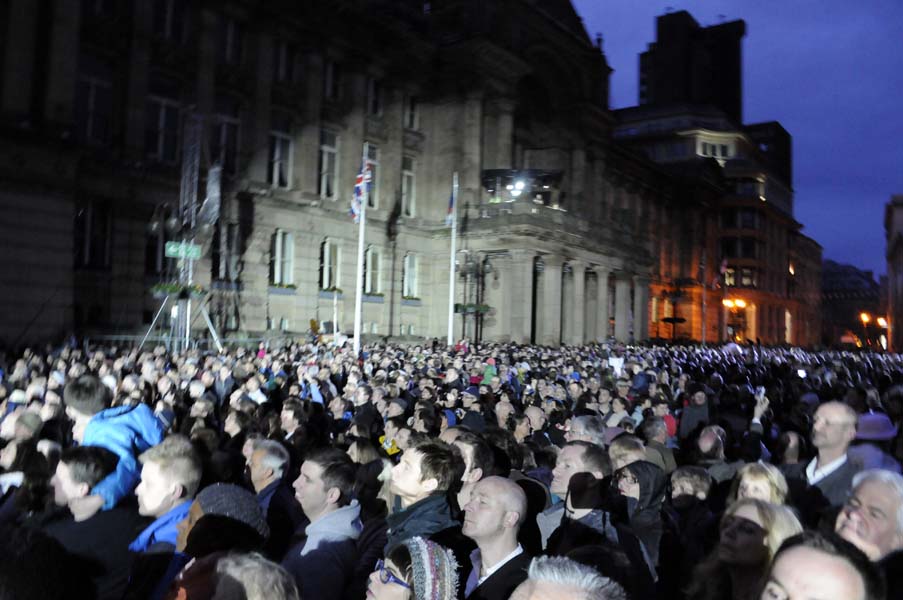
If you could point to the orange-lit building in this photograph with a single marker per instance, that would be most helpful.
(736, 266)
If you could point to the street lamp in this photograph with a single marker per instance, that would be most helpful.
(882, 322)
(865, 318)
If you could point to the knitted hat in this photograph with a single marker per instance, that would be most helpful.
(228, 500)
(434, 568)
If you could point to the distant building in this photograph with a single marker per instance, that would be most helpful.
(893, 235)
(691, 64)
(847, 293)
(690, 114)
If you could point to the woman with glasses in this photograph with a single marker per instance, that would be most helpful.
(751, 532)
(416, 569)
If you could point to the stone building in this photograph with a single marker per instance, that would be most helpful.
(94, 97)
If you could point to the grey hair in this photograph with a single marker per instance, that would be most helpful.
(196, 388)
(892, 480)
(593, 426)
(275, 456)
(564, 572)
(255, 576)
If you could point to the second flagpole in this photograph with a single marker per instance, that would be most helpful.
(359, 287)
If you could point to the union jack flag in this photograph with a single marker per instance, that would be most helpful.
(363, 179)
(450, 217)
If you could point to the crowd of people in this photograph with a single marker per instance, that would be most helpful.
(482, 471)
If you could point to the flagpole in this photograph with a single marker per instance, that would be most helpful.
(335, 318)
(451, 268)
(359, 288)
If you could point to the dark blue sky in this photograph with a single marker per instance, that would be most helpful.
(831, 71)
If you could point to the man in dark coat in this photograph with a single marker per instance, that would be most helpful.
(98, 542)
(323, 562)
(284, 515)
(825, 481)
(492, 518)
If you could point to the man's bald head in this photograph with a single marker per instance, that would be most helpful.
(496, 510)
(509, 494)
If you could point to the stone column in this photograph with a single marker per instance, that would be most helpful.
(640, 308)
(520, 295)
(602, 302)
(548, 320)
(622, 306)
(576, 331)
(504, 132)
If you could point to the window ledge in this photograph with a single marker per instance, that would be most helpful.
(328, 295)
(281, 291)
(411, 302)
(373, 299)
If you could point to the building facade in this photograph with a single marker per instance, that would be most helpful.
(893, 235)
(94, 110)
(755, 275)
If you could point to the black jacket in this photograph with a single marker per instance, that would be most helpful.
(284, 516)
(100, 545)
(502, 583)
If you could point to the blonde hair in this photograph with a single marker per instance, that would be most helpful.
(711, 580)
(778, 521)
(770, 474)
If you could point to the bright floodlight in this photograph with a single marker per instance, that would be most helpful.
(519, 185)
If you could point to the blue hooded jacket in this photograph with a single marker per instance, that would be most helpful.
(126, 431)
(161, 531)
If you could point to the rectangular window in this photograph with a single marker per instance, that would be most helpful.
(282, 258)
(231, 41)
(373, 190)
(93, 110)
(169, 19)
(411, 113)
(748, 219)
(748, 247)
(155, 261)
(409, 276)
(279, 169)
(729, 218)
(730, 277)
(329, 265)
(93, 234)
(408, 187)
(223, 252)
(748, 277)
(372, 271)
(729, 247)
(374, 97)
(723, 151)
(224, 131)
(161, 133)
(285, 65)
(332, 80)
(654, 310)
(328, 164)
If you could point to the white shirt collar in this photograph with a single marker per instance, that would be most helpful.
(814, 475)
(490, 570)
